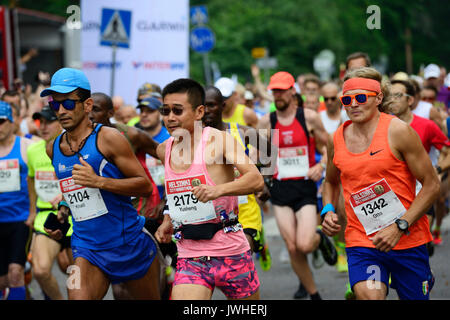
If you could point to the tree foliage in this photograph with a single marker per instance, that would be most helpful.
(295, 31)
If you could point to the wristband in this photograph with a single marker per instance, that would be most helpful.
(328, 207)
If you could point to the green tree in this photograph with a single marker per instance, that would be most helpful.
(295, 31)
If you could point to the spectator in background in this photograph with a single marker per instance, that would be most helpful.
(312, 102)
(434, 77)
(301, 83)
(443, 92)
(357, 60)
(311, 84)
(312, 87)
(235, 111)
(149, 90)
(251, 103)
(145, 91)
(25, 126)
(263, 96)
(117, 104)
(428, 94)
(425, 109)
(334, 115)
(127, 114)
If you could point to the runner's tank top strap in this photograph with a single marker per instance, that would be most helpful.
(299, 115)
(13, 185)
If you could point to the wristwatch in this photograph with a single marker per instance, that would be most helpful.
(402, 225)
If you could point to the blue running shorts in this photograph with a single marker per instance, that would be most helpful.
(130, 261)
(409, 269)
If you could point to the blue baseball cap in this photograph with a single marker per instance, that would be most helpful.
(66, 80)
(150, 102)
(5, 111)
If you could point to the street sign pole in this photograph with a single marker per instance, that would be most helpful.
(113, 59)
(202, 38)
(207, 69)
(115, 32)
(113, 69)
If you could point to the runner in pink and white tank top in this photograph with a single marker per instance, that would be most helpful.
(186, 209)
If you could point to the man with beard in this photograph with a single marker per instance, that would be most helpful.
(298, 132)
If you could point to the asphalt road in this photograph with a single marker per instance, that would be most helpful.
(280, 282)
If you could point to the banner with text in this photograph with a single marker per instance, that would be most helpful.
(158, 45)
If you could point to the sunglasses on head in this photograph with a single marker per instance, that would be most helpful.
(68, 104)
(360, 98)
(165, 110)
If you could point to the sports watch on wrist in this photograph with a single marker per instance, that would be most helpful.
(402, 225)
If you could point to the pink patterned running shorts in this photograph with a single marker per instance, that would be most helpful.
(235, 275)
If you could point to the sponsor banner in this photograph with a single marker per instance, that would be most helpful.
(158, 48)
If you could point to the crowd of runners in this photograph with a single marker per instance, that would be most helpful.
(165, 199)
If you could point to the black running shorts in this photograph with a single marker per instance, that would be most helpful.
(14, 241)
(293, 193)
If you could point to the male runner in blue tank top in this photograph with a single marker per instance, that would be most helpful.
(15, 217)
(98, 173)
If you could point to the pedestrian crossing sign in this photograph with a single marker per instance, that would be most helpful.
(115, 28)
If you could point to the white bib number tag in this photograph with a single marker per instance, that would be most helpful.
(9, 175)
(241, 199)
(376, 206)
(156, 170)
(46, 185)
(85, 203)
(418, 187)
(293, 162)
(184, 208)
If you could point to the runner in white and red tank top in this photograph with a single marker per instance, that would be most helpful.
(298, 132)
(202, 204)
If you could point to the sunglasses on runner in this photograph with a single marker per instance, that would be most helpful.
(68, 104)
(360, 98)
(428, 99)
(2, 121)
(165, 111)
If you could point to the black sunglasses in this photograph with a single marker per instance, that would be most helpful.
(329, 98)
(165, 110)
(68, 104)
(2, 121)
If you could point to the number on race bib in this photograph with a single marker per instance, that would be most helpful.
(78, 197)
(184, 200)
(5, 174)
(377, 205)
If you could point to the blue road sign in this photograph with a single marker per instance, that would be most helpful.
(199, 15)
(202, 39)
(115, 28)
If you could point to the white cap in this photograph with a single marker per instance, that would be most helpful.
(226, 86)
(400, 76)
(431, 71)
(447, 80)
(248, 95)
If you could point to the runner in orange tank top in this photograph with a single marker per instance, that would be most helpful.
(377, 158)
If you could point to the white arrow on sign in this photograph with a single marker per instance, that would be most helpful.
(115, 30)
